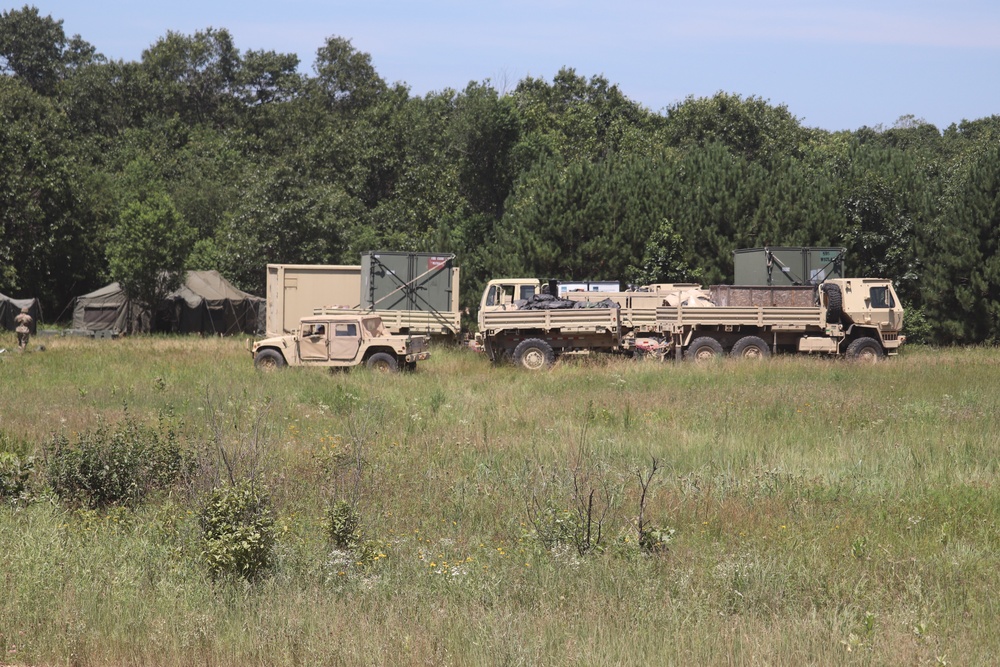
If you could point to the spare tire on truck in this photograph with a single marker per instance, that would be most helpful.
(834, 303)
(534, 354)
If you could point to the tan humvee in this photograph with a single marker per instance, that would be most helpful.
(341, 341)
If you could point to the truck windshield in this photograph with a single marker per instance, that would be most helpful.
(881, 297)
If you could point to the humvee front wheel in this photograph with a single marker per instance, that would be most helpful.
(383, 362)
(268, 360)
(533, 354)
(865, 350)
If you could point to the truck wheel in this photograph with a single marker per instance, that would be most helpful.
(534, 354)
(383, 362)
(834, 303)
(751, 347)
(268, 360)
(703, 349)
(865, 350)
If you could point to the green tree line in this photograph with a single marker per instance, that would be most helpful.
(202, 156)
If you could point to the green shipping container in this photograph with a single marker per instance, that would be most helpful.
(787, 265)
(406, 281)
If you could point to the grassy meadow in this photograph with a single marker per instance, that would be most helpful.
(805, 511)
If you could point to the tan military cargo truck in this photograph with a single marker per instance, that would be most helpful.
(534, 338)
(341, 341)
(859, 318)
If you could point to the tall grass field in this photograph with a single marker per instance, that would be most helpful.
(798, 511)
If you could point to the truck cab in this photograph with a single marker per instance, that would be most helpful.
(502, 294)
(871, 301)
(869, 308)
(341, 341)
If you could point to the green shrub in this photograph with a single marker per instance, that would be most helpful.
(342, 523)
(238, 531)
(14, 474)
(117, 465)
(917, 327)
(656, 539)
(353, 550)
(554, 526)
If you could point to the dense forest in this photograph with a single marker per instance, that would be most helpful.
(200, 156)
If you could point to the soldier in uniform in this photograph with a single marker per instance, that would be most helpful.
(23, 322)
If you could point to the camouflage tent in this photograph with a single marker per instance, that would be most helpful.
(10, 308)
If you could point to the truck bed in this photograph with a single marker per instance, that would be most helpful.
(778, 318)
(578, 320)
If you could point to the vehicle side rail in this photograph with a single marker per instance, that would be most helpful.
(673, 318)
(570, 319)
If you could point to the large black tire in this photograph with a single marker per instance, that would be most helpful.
(834, 303)
(534, 354)
(751, 347)
(703, 349)
(383, 362)
(268, 360)
(865, 350)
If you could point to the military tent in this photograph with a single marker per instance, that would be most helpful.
(10, 308)
(106, 309)
(207, 303)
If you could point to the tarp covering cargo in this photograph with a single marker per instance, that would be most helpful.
(206, 303)
(11, 307)
(550, 302)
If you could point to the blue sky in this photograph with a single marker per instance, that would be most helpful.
(835, 64)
